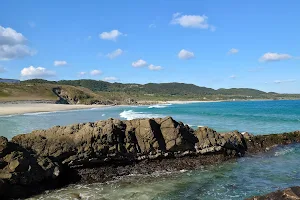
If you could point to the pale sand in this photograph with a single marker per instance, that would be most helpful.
(10, 109)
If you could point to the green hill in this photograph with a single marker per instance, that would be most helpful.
(91, 91)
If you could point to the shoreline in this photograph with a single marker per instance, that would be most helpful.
(18, 108)
(23, 108)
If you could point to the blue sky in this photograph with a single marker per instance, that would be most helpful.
(218, 44)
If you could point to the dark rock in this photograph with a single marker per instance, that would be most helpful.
(99, 151)
(292, 193)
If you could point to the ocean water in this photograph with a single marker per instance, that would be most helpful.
(257, 117)
(246, 177)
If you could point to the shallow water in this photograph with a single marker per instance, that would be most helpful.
(236, 180)
(248, 176)
(258, 117)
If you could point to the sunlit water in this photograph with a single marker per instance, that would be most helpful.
(256, 116)
(235, 180)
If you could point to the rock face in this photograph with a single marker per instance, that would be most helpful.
(99, 151)
(292, 193)
(19, 169)
(127, 140)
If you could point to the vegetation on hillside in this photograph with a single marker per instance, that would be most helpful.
(101, 92)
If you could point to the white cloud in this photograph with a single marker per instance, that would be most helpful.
(233, 76)
(139, 63)
(9, 36)
(154, 68)
(60, 63)
(95, 72)
(9, 52)
(192, 21)
(12, 45)
(185, 55)
(2, 69)
(36, 72)
(285, 81)
(267, 57)
(233, 51)
(112, 35)
(115, 54)
(110, 79)
(82, 73)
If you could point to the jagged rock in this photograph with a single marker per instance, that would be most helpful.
(104, 149)
(292, 193)
(21, 169)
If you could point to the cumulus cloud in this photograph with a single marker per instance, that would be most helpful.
(110, 79)
(192, 21)
(36, 72)
(233, 51)
(112, 35)
(154, 68)
(115, 54)
(95, 72)
(268, 57)
(9, 36)
(2, 69)
(60, 63)
(285, 81)
(12, 45)
(9, 52)
(82, 73)
(139, 63)
(185, 55)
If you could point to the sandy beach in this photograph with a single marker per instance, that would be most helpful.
(21, 108)
(9, 109)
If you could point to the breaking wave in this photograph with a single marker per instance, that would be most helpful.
(160, 106)
(130, 114)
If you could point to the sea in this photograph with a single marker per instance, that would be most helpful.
(248, 176)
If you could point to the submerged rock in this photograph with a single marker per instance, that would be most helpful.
(292, 193)
(99, 151)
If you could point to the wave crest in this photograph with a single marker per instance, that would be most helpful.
(160, 106)
(130, 114)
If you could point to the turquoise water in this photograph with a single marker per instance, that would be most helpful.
(258, 117)
(247, 177)
(234, 180)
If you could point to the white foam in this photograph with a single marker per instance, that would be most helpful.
(130, 114)
(39, 113)
(103, 115)
(284, 151)
(160, 106)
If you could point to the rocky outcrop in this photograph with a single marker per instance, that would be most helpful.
(20, 170)
(292, 193)
(99, 151)
(138, 139)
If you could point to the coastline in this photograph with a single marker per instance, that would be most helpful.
(22, 108)
(16, 107)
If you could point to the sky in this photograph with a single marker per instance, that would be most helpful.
(216, 44)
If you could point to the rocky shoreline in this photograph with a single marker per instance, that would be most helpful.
(97, 152)
(292, 193)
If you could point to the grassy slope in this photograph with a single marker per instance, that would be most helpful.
(30, 91)
(91, 91)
